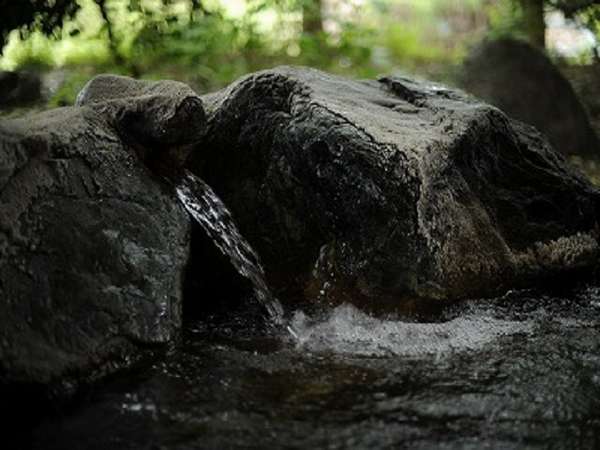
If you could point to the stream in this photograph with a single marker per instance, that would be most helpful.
(522, 371)
(519, 371)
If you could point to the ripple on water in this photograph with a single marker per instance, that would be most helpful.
(520, 371)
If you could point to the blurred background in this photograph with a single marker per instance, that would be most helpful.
(541, 55)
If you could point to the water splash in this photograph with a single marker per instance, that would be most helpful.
(213, 216)
(344, 329)
(347, 330)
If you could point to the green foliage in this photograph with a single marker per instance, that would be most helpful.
(589, 16)
(216, 47)
(208, 43)
(45, 15)
(34, 52)
(407, 47)
(505, 19)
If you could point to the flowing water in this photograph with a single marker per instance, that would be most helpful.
(520, 371)
(216, 220)
(517, 372)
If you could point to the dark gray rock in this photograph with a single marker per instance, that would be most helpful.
(367, 191)
(524, 83)
(19, 88)
(93, 246)
(392, 190)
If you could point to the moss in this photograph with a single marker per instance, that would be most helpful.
(590, 168)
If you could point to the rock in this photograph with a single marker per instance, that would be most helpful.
(585, 80)
(386, 191)
(19, 88)
(524, 83)
(380, 192)
(160, 120)
(93, 246)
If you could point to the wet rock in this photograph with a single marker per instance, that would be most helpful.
(161, 120)
(391, 190)
(93, 246)
(368, 191)
(19, 88)
(524, 83)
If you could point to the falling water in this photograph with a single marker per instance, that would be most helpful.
(513, 372)
(211, 213)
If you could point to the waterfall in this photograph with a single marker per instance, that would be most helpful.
(210, 212)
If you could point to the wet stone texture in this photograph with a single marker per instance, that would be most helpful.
(92, 246)
(372, 192)
(390, 190)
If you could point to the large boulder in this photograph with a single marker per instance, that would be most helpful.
(390, 190)
(523, 82)
(93, 246)
(366, 191)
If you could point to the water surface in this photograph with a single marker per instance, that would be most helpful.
(522, 371)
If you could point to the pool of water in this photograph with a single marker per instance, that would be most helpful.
(521, 371)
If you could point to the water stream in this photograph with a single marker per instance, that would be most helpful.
(516, 372)
(521, 372)
(210, 212)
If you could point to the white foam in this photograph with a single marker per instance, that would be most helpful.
(346, 329)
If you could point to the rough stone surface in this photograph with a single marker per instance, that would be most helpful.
(392, 189)
(366, 191)
(524, 83)
(93, 246)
